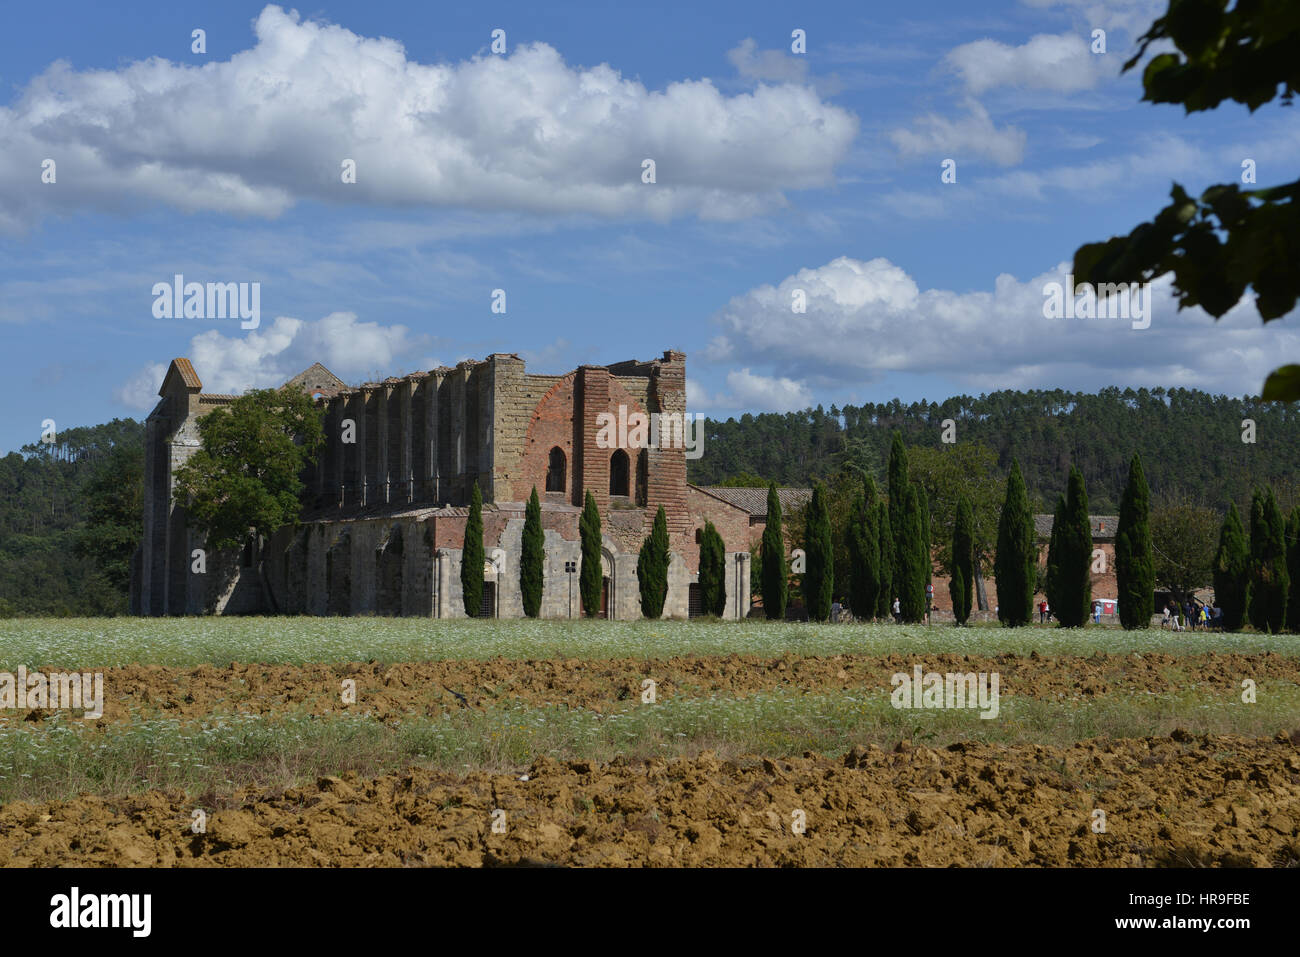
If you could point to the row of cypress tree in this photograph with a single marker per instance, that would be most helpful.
(888, 546)
(651, 567)
(1258, 578)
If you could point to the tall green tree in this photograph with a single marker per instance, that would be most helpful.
(1135, 569)
(1229, 239)
(1055, 553)
(775, 574)
(652, 567)
(913, 557)
(1269, 582)
(899, 479)
(927, 543)
(1232, 570)
(1074, 567)
(963, 553)
(864, 553)
(1293, 570)
(713, 571)
(885, 567)
(472, 558)
(114, 503)
(819, 578)
(244, 482)
(532, 557)
(591, 576)
(1183, 542)
(1016, 562)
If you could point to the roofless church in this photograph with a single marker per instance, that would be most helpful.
(383, 529)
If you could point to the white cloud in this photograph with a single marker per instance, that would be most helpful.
(767, 65)
(974, 135)
(525, 132)
(749, 392)
(272, 355)
(868, 319)
(1063, 63)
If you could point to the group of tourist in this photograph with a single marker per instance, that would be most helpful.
(1192, 616)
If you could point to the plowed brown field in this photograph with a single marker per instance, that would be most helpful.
(1178, 800)
(434, 687)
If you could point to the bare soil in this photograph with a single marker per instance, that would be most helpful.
(1182, 800)
(192, 694)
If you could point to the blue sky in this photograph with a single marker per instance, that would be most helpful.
(775, 172)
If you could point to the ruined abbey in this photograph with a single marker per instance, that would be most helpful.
(388, 495)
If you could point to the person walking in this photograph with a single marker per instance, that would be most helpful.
(1164, 619)
(898, 611)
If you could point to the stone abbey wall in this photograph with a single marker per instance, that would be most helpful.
(383, 528)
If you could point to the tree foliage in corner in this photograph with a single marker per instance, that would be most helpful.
(963, 551)
(244, 482)
(591, 576)
(775, 574)
(1269, 582)
(1016, 562)
(471, 559)
(713, 571)
(819, 579)
(1229, 239)
(532, 558)
(652, 567)
(1232, 570)
(1135, 569)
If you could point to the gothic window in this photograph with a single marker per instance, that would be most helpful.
(618, 469)
(555, 471)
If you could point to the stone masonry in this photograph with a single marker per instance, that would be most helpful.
(382, 531)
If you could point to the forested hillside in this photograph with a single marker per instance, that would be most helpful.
(70, 517)
(1190, 441)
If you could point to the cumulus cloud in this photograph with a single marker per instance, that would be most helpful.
(268, 357)
(868, 319)
(524, 132)
(973, 135)
(1063, 63)
(749, 392)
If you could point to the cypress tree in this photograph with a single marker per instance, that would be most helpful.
(591, 577)
(1293, 570)
(1016, 562)
(819, 579)
(912, 556)
(1232, 570)
(775, 576)
(713, 571)
(532, 557)
(1073, 570)
(471, 559)
(652, 567)
(864, 554)
(1269, 582)
(898, 479)
(927, 543)
(884, 563)
(963, 557)
(1052, 579)
(1135, 568)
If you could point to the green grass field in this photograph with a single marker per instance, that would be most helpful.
(82, 643)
